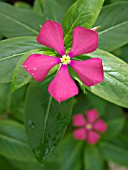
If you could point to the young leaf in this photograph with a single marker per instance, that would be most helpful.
(13, 142)
(113, 20)
(10, 52)
(46, 119)
(93, 158)
(82, 13)
(114, 88)
(16, 22)
(20, 76)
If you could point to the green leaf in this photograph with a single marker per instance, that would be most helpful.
(13, 142)
(70, 152)
(4, 90)
(113, 20)
(81, 13)
(117, 1)
(25, 165)
(20, 76)
(93, 158)
(120, 140)
(5, 164)
(97, 103)
(46, 119)
(114, 88)
(18, 22)
(115, 153)
(122, 53)
(10, 52)
(66, 156)
(53, 10)
(114, 127)
(22, 5)
(38, 7)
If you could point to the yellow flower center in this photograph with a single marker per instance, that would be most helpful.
(65, 59)
(88, 126)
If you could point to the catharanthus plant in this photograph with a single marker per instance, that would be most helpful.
(89, 128)
(62, 86)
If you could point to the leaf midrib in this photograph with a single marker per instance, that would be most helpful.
(74, 23)
(116, 80)
(20, 23)
(13, 140)
(12, 56)
(46, 119)
(110, 145)
(113, 27)
(74, 151)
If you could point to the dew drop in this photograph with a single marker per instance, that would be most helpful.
(25, 66)
(34, 68)
(31, 124)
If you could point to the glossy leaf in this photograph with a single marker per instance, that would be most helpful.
(46, 119)
(16, 22)
(10, 52)
(13, 142)
(113, 32)
(115, 153)
(93, 158)
(114, 88)
(83, 13)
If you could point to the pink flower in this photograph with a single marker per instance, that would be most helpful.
(90, 128)
(62, 86)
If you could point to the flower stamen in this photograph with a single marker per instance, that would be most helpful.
(88, 126)
(65, 59)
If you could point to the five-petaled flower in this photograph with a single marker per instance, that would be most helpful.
(62, 86)
(89, 129)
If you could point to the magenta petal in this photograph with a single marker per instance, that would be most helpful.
(92, 137)
(92, 115)
(80, 134)
(84, 41)
(51, 35)
(38, 65)
(62, 86)
(100, 126)
(79, 120)
(90, 71)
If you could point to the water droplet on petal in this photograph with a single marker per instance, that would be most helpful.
(28, 69)
(34, 68)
